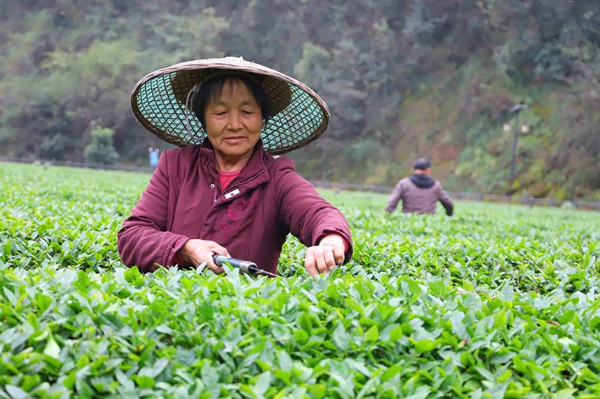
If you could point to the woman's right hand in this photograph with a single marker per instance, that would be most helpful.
(196, 252)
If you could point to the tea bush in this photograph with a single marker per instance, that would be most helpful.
(498, 301)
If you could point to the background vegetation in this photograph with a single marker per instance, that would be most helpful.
(402, 78)
(496, 302)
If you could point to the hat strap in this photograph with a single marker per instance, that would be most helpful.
(191, 93)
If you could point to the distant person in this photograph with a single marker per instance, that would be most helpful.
(223, 192)
(419, 192)
(153, 153)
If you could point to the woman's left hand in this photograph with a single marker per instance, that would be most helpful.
(325, 256)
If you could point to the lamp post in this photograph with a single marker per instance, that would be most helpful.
(516, 109)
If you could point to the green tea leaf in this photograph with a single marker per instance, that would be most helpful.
(144, 381)
(16, 392)
(52, 349)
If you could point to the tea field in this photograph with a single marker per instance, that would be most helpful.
(497, 301)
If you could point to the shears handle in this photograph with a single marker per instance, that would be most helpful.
(245, 266)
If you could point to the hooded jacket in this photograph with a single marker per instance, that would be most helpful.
(251, 218)
(419, 194)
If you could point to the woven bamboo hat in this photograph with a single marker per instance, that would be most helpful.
(159, 101)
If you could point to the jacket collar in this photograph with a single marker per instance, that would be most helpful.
(421, 180)
(252, 175)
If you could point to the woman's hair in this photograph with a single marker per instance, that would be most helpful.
(211, 90)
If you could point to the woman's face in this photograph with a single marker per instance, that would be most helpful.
(233, 123)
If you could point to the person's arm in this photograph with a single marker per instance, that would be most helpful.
(394, 198)
(314, 221)
(142, 240)
(446, 201)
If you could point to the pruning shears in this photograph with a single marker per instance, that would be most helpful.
(245, 266)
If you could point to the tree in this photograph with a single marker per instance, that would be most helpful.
(101, 149)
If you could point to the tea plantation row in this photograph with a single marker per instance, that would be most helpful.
(496, 302)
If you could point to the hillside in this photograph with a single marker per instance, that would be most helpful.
(401, 78)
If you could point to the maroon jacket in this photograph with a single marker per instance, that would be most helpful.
(251, 218)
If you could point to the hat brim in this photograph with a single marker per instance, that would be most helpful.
(158, 101)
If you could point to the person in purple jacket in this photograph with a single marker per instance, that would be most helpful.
(420, 192)
(225, 191)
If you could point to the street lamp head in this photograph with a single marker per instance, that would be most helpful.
(518, 108)
(524, 129)
(506, 127)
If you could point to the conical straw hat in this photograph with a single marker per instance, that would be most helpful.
(158, 101)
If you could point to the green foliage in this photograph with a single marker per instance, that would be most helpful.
(101, 149)
(312, 65)
(400, 78)
(497, 301)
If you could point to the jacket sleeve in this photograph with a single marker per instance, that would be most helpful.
(143, 240)
(446, 200)
(309, 215)
(394, 198)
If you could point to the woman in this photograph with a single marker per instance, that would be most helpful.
(223, 192)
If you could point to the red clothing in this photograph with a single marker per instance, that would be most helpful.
(251, 218)
(227, 177)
